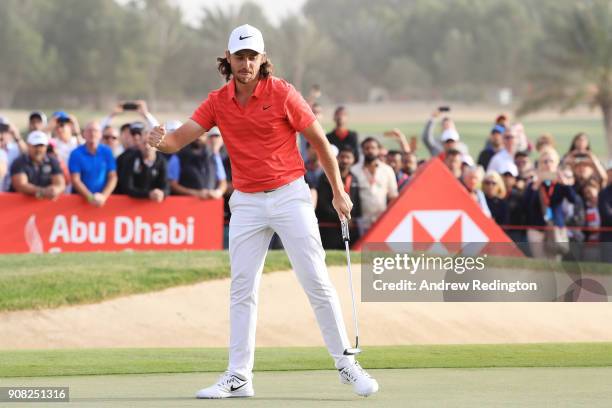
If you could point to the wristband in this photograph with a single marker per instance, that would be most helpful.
(39, 193)
(90, 198)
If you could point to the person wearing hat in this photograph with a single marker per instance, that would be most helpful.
(37, 121)
(514, 201)
(197, 170)
(65, 130)
(491, 148)
(259, 116)
(143, 174)
(505, 155)
(35, 173)
(449, 139)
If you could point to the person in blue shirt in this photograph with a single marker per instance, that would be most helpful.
(93, 168)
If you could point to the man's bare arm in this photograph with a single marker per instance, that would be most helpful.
(173, 142)
(316, 137)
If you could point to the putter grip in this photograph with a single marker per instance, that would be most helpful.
(345, 229)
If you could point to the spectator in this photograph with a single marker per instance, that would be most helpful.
(37, 121)
(341, 136)
(110, 138)
(144, 172)
(494, 190)
(454, 162)
(197, 170)
(522, 141)
(503, 121)
(376, 180)
(326, 214)
(93, 168)
(514, 194)
(471, 179)
(394, 160)
(573, 213)
(605, 214)
(401, 139)
(590, 192)
(125, 135)
(585, 164)
(10, 150)
(65, 129)
(409, 164)
(545, 140)
(525, 168)
(506, 155)
(313, 167)
(494, 146)
(35, 173)
(134, 129)
(542, 203)
(449, 139)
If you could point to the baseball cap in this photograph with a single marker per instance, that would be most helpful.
(450, 134)
(3, 121)
(40, 115)
(137, 127)
(508, 167)
(214, 131)
(467, 159)
(245, 37)
(61, 115)
(172, 125)
(498, 129)
(38, 137)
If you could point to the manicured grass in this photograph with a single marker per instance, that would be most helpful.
(51, 280)
(167, 360)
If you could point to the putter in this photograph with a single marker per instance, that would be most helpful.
(346, 237)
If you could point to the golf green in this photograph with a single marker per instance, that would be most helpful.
(433, 387)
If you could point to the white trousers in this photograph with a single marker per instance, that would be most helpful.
(288, 211)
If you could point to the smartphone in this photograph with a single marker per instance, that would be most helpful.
(548, 175)
(130, 106)
(444, 109)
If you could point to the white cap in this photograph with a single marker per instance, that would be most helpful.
(450, 134)
(172, 125)
(508, 167)
(467, 159)
(214, 131)
(245, 37)
(38, 137)
(334, 149)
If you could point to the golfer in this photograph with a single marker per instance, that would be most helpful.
(258, 116)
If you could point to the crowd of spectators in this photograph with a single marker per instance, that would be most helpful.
(536, 194)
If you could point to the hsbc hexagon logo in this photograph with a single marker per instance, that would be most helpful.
(446, 226)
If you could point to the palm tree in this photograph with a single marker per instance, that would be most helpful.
(576, 62)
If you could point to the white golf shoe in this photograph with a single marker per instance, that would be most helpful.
(363, 384)
(229, 386)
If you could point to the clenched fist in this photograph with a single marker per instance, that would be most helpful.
(156, 136)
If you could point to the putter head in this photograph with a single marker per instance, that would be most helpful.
(351, 351)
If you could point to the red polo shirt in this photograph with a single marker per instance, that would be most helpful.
(259, 137)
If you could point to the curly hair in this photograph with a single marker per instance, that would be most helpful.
(265, 70)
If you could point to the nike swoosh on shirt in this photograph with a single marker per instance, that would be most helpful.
(266, 107)
(244, 38)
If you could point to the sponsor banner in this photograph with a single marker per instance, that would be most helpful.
(434, 209)
(70, 224)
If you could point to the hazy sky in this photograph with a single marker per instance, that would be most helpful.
(274, 9)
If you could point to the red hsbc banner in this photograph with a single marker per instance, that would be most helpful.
(434, 208)
(71, 225)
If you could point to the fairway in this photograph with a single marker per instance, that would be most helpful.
(491, 387)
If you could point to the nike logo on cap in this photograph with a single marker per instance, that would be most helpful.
(245, 37)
